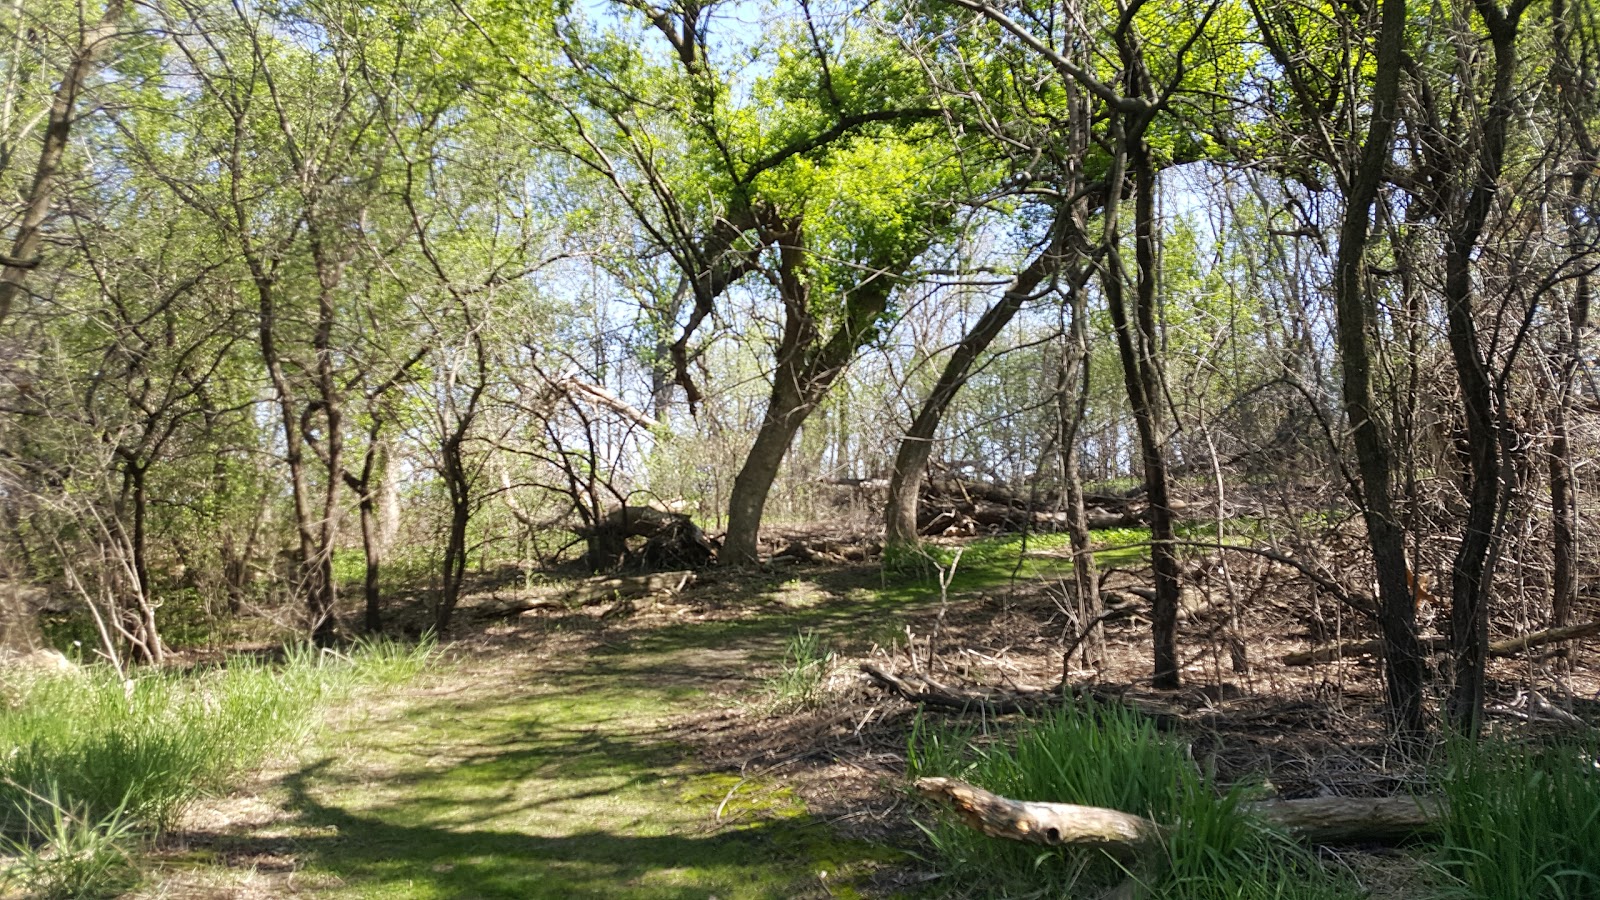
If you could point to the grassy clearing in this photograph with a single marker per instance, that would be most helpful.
(528, 777)
(98, 762)
(1111, 757)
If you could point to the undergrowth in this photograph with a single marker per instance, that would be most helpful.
(94, 762)
(1523, 820)
(1111, 757)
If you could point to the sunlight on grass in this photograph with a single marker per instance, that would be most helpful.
(556, 778)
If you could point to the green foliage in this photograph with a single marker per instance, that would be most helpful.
(69, 854)
(798, 684)
(1524, 819)
(1110, 756)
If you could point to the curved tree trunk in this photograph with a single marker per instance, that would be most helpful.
(804, 373)
(916, 447)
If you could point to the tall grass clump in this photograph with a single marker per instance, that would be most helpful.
(1523, 820)
(1109, 756)
(65, 855)
(145, 747)
(798, 683)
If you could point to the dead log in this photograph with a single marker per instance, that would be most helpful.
(595, 590)
(1318, 820)
(1351, 820)
(1439, 644)
(1052, 824)
(917, 688)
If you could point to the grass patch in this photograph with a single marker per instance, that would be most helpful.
(1524, 819)
(69, 855)
(96, 760)
(798, 684)
(1111, 757)
(990, 561)
(552, 777)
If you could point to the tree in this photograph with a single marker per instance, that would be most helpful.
(93, 42)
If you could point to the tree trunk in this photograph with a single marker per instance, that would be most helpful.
(1489, 478)
(455, 551)
(916, 447)
(1073, 399)
(805, 371)
(1563, 490)
(147, 634)
(1136, 349)
(1355, 314)
(786, 411)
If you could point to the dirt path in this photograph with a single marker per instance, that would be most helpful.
(539, 761)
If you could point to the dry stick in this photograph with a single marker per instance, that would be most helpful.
(1318, 820)
(1507, 647)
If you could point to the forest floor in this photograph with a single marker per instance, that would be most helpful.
(637, 750)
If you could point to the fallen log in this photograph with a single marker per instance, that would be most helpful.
(595, 590)
(1439, 644)
(1317, 820)
(1052, 824)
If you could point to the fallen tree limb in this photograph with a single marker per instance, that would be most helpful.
(917, 688)
(1438, 644)
(597, 589)
(1052, 824)
(1318, 820)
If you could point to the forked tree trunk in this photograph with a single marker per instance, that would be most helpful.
(805, 370)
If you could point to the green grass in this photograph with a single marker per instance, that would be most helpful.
(1524, 819)
(552, 778)
(69, 855)
(94, 758)
(1111, 757)
(798, 682)
(989, 562)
